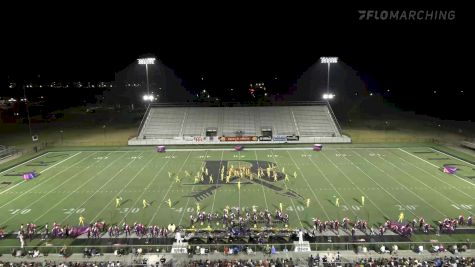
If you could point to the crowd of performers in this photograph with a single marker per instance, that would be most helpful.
(231, 219)
(268, 172)
(234, 217)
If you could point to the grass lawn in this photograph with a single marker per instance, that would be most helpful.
(392, 180)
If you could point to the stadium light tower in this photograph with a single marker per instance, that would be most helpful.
(147, 61)
(328, 61)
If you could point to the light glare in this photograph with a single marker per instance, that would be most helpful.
(329, 59)
(146, 61)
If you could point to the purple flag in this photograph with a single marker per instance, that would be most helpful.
(450, 169)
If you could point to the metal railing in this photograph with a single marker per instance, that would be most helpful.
(265, 248)
(334, 119)
(144, 119)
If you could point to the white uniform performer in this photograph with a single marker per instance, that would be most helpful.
(178, 237)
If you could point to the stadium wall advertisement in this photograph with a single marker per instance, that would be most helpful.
(292, 138)
(265, 138)
(280, 138)
(237, 138)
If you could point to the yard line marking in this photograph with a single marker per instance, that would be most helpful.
(328, 180)
(46, 193)
(405, 187)
(193, 187)
(122, 189)
(448, 155)
(217, 179)
(68, 192)
(356, 186)
(239, 190)
(435, 166)
(146, 189)
(52, 191)
(309, 186)
(39, 171)
(387, 192)
(435, 176)
(166, 194)
(23, 163)
(95, 192)
(291, 200)
(262, 187)
(42, 181)
(232, 149)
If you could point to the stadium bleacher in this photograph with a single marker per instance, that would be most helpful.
(177, 123)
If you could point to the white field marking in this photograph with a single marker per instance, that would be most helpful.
(23, 163)
(328, 180)
(250, 149)
(217, 179)
(123, 188)
(436, 166)
(94, 192)
(262, 187)
(239, 190)
(193, 187)
(355, 186)
(291, 200)
(309, 186)
(74, 191)
(146, 189)
(39, 171)
(469, 163)
(405, 187)
(387, 192)
(50, 191)
(168, 191)
(436, 177)
(42, 181)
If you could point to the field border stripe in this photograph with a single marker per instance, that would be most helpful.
(402, 184)
(439, 178)
(435, 165)
(41, 171)
(224, 149)
(455, 157)
(24, 162)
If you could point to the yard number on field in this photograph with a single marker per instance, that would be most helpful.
(19, 211)
(131, 210)
(406, 207)
(353, 207)
(73, 210)
(462, 206)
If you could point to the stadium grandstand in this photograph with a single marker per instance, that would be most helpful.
(300, 122)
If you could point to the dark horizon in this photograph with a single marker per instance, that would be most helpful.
(233, 48)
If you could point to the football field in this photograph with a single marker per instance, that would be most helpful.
(392, 180)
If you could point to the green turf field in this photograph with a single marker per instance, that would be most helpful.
(393, 180)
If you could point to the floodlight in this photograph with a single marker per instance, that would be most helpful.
(329, 60)
(148, 98)
(146, 61)
(328, 96)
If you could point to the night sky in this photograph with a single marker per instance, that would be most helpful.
(233, 45)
